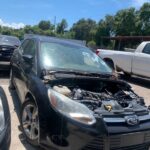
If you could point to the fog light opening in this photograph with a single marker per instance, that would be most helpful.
(59, 140)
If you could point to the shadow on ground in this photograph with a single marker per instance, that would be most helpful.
(4, 74)
(143, 82)
(17, 107)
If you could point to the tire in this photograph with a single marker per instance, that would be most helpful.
(110, 64)
(11, 84)
(30, 122)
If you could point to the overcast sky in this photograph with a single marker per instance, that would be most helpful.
(17, 13)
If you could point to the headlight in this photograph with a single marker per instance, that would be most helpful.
(2, 118)
(3, 49)
(70, 108)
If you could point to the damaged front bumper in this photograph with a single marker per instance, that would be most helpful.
(106, 134)
(130, 141)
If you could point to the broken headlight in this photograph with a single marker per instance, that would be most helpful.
(2, 118)
(70, 108)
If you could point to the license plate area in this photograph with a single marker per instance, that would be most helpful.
(126, 140)
(132, 139)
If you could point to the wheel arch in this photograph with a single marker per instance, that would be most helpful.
(110, 60)
(30, 96)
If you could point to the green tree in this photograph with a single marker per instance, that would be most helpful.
(144, 17)
(44, 25)
(105, 28)
(124, 22)
(6, 31)
(62, 26)
(84, 29)
(28, 29)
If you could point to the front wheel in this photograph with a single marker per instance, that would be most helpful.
(30, 122)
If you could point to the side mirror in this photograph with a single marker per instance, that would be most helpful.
(28, 58)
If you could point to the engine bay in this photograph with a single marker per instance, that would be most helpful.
(103, 97)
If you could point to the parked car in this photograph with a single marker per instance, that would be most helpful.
(5, 126)
(7, 46)
(70, 99)
(131, 63)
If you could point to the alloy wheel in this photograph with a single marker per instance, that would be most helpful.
(30, 121)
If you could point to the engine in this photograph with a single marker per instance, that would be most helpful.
(122, 101)
(105, 99)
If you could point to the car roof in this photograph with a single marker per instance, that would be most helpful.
(55, 39)
(1, 35)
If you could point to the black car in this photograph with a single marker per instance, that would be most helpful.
(5, 127)
(72, 101)
(7, 46)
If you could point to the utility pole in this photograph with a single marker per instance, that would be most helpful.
(55, 24)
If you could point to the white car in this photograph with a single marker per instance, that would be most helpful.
(131, 63)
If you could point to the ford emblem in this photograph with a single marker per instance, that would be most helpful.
(132, 120)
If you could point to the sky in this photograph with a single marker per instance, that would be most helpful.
(18, 13)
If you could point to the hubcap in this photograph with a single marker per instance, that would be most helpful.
(30, 122)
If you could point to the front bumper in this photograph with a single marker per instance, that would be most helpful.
(131, 141)
(98, 137)
(4, 65)
(110, 132)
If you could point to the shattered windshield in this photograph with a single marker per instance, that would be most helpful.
(66, 56)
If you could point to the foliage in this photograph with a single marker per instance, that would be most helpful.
(125, 22)
(62, 26)
(144, 17)
(91, 44)
(84, 29)
(44, 25)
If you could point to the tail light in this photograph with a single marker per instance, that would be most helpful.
(97, 51)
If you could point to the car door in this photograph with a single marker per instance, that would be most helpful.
(15, 62)
(141, 62)
(24, 68)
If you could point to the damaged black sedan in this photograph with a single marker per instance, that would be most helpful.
(72, 101)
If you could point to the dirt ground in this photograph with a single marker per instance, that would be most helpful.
(141, 87)
(18, 141)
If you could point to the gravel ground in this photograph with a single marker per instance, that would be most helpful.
(141, 87)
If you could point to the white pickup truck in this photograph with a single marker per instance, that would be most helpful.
(131, 63)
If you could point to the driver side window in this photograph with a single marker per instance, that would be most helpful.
(147, 49)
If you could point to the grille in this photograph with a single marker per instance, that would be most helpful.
(100, 147)
(7, 52)
(99, 143)
(136, 147)
(116, 142)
